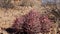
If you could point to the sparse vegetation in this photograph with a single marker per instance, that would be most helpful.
(6, 4)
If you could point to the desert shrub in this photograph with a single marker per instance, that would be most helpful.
(27, 3)
(5, 4)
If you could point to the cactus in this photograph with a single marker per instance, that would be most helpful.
(32, 23)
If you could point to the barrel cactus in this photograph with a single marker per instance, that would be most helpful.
(32, 23)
